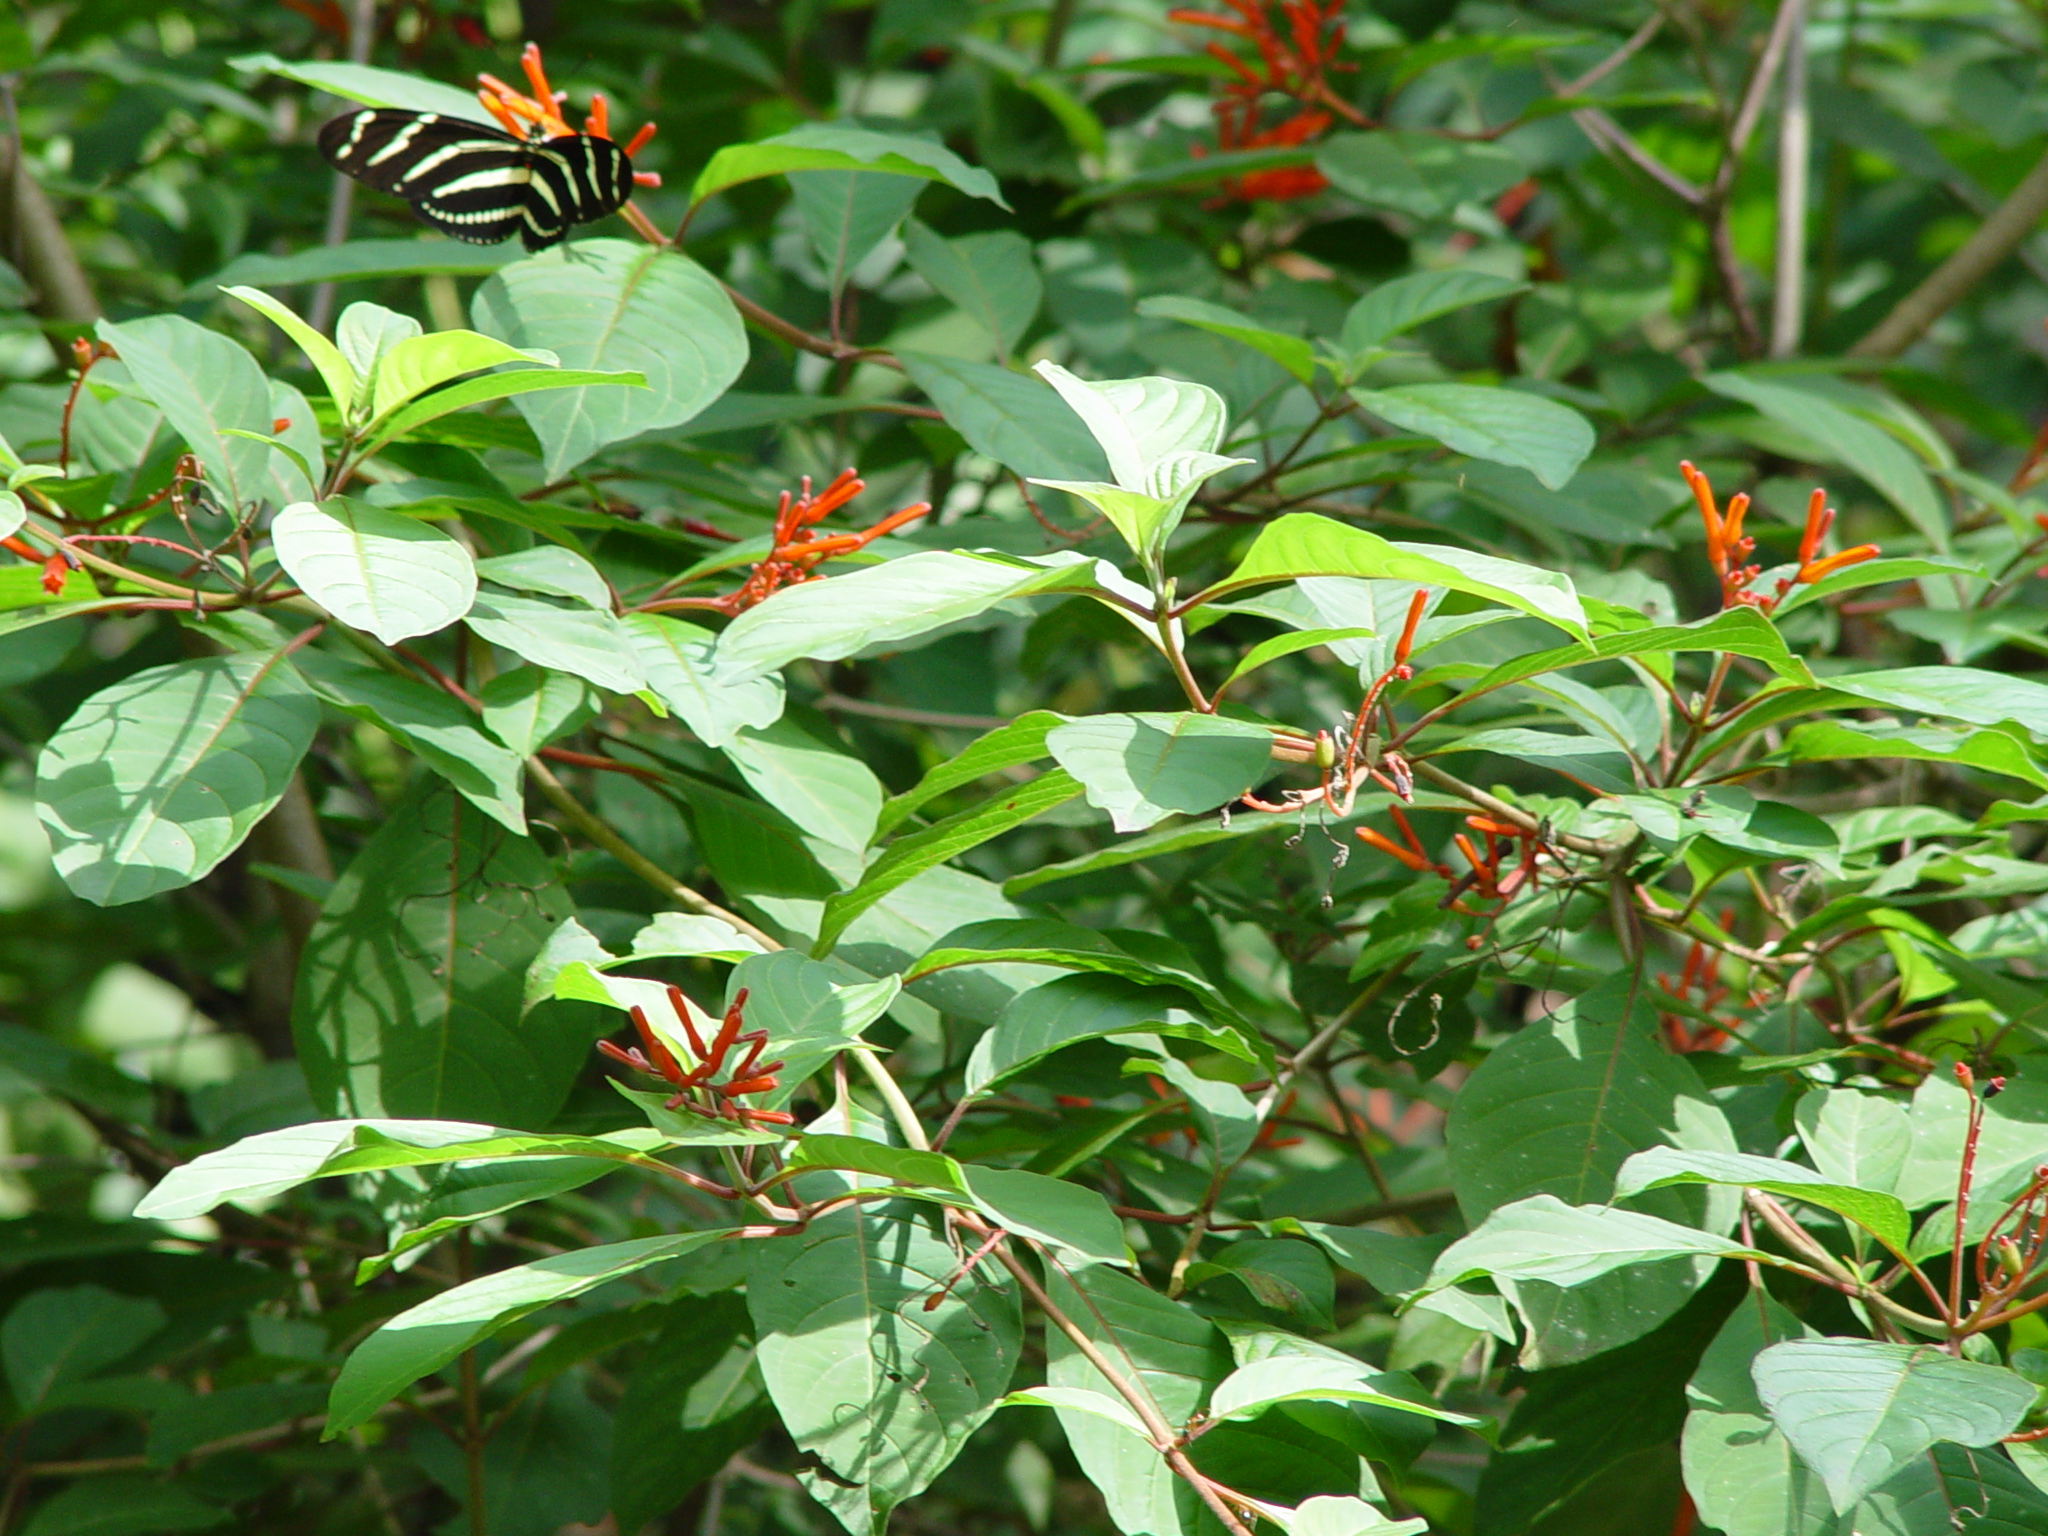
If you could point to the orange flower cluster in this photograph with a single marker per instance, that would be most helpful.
(517, 112)
(1296, 64)
(1487, 876)
(798, 547)
(1728, 547)
(750, 1075)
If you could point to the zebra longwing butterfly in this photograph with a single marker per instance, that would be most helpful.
(476, 183)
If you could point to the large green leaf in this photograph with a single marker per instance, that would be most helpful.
(204, 383)
(1144, 768)
(394, 576)
(1419, 174)
(410, 990)
(579, 640)
(993, 277)
(819, 786)
(1969, 694)
(896, 600)
(848, 213)
(879, 1386)
(1855, 1137)
(371, 86)
(1009, 417)
(1858, 1411)
(1980, 1488)
(1847, 439)
(1739, 1469)
(430, 1335)
(677, 659)
(1877, 1212)
(842, 147)
(1306, 544)
(1542, 1238)
(444, 732)
(1173, 1354)
(1505, 426)
(157, 778)
(619, 306)
(1540, 1116)
(1406, 302)
(912, 854)
(57, 1336)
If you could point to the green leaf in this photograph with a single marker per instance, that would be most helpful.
(820, 787)
(1163, 1346)
(1339, 1515)
(54, 1337)
(371, 86)
(897, 600)
(1853, 1137)
(326, 358)
(203, 382)
(1081, 1400)
(1009, 417)
(615, 305)
(810, 1012)
(60, 1068)
(1542, 1238)
(1877, 1212)
(502, 385)
(1847, 439)
(409, 994)
(1076, 1222)
(1281, 1274)
(123, 1505)
(393, 576)
(1070, 1009)
(354, 261)
(842, 147)
(1189, 172)
(426, 1337)
(911, 855)
(1539, 1116)
(1406, 302)
(1969, 694)
(551, 569)
(157, 778)
(881, 1388)
(1506, 426)
(1738, 1468)
(1985, 1490)
(848, 213)
(1007, 746)
(1305, 544)
(1144, 768)
(1420, 174)
(898, 1165)
(679, 662)
(992, 277)
(1290, 352)
(1858, 1411)
(1160, 437)
(581, 641)
(529, 707)
(1251, 1389)
(693, 1400)
(442, 731)
(418, 363)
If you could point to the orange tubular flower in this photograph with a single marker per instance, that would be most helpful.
(1728, 548)
(520, 114)
(749, 1075)
(798, 547)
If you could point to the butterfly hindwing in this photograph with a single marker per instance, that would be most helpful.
(476, 184)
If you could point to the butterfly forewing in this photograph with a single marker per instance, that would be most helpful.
(475, 183)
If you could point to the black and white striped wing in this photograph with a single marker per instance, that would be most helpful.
(408, 153)
(576, 179)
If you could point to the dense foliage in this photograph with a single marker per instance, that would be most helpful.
(1141, 770)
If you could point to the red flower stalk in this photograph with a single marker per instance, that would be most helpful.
(1296, 54)
(519, 113)
(799, 548)
(749, 1075)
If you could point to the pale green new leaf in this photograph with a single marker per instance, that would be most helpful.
(326, 358)
(418, 363)
(394, 576)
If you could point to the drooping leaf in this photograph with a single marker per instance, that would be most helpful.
(1076, 1222)
(157, 778)
(848, 213)
(1858, 1411)
(550, 570)
(819, 786)
(409, 993)
(394, 576)
(1505, 426)
(371, 86)
(615, 306)
(883, 1390)
(430, 1335)
(1878, 1213)
(578, 640)
(692, 1401)
(1144, 768)
(528, 707)
(1007, 746)
(1542, 1238)
(1070, 1009)
(842, 147)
